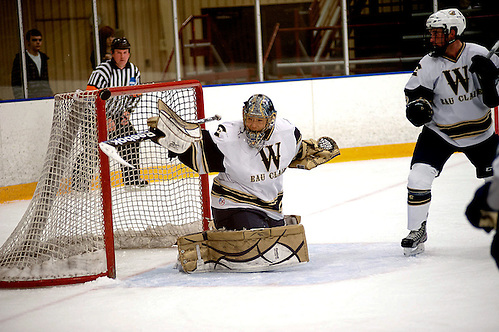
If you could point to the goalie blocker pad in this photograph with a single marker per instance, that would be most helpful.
(178, 135)
(252, 250)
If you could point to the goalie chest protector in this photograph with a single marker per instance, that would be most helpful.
(243, 251)
(253, 178)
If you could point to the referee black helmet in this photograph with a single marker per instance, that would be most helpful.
(120, 44)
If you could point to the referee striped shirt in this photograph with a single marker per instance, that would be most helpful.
(107, 75)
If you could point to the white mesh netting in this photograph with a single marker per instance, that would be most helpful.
(61, 235)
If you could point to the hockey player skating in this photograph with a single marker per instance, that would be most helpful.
(450, 92)
(250, 155)
(482, 210)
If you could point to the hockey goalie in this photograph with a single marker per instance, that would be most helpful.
(250, 233)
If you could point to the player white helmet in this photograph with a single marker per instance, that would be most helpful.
(446, 19)
(259, 106)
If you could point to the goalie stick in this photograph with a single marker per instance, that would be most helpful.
(493, 50)
(109, 146)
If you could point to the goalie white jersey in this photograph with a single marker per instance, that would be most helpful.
(460, 116)
(248, 177)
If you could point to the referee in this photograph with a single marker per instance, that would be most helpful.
(119, 71)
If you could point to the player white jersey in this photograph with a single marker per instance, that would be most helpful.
(460, 116)
(249, 178)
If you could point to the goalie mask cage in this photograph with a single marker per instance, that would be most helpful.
(85, 205)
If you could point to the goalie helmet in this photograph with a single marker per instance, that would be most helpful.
(445, 19)
(259, 106)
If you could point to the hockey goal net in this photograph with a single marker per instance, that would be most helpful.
(85, 205)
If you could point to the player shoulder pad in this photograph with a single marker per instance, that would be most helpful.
(474, 49)
(284, 124)
(227, 130)
(227, 135)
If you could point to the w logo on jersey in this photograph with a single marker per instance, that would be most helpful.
(271, 155)
(457, 78)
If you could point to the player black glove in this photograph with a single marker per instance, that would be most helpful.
(487, 73)
(419, 112)
(484, 68)
(479, 213)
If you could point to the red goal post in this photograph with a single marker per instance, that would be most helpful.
(86, 206)
(496, 120)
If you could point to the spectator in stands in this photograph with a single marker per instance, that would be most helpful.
(106, 37)
(36, 69)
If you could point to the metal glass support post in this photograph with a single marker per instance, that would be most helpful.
(23, 49)
(177, 44)
(344, 28)
(259, 48)
(95, 21)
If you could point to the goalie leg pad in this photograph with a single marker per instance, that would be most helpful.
(243, 251)
(292, 219)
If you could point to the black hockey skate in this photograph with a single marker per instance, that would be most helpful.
(413, 243)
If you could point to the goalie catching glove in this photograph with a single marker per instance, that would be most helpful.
(175, 133)
(314, 153)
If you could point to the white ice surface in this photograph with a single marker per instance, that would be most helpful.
(357, 279)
